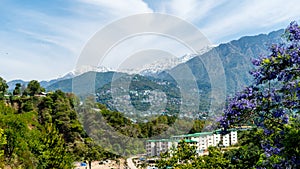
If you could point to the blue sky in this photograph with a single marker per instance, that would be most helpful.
(42, 39)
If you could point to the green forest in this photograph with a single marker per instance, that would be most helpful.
(41, 130)
(53, 129)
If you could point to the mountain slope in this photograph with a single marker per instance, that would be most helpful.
(236, 60)
(235, 57)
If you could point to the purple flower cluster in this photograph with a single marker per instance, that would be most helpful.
(293, 32)
(273, 97)
(278, 113)
(256, 62)
(283, 62)
(268, 132)
(291, 95)
(281, 114)
(242, 104)
(270, 150)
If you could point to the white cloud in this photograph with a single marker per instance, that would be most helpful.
(120, 8)
(191, 10)
(54, 42)
(41, 40)
(222, 20)
(44, 48)
(251, 16)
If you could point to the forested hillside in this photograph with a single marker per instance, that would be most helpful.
(40, 130)
(55, 129)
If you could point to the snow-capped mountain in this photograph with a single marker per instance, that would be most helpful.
(164, 64)
(89, 68)
(148, 69)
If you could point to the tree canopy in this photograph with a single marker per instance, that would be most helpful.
(272, 103)
(3, 88)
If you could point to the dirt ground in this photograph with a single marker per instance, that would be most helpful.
(110, 165)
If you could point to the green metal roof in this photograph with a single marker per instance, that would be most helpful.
(160, 140)
(193, 135)
(179, 137)
(153, 140)
(190, 141)
(199, 134)
(220, 130)
(167, 140)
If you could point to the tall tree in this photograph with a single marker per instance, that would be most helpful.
(33, 88)
(17, 90)
(272, 103)
(3, 88)
(53, 152)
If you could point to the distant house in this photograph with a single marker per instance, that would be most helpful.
(42, 94)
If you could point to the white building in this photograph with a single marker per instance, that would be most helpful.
(156, 147)
(233, 137)
(150, 148)
(201, 140)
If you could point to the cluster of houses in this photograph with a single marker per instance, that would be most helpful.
(201, 140)
(123, 100)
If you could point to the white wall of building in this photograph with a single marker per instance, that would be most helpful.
(217, 139)
(226, 140)
(233, 138)
(203, 141)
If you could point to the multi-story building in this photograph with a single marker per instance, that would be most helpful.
(156, 147)
(233, 137)
(227, 139)
(150, 147)
(201, 140)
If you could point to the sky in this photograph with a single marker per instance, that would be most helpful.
(43, 39)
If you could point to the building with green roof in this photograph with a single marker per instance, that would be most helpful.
(202, 140)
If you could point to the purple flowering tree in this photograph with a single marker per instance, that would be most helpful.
(272, 103)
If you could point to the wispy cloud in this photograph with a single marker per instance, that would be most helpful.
(35, 39)
(251, 17)
(190, 10)
(223, 20)
(41, 40)
(119, 8)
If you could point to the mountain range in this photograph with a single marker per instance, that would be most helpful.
(235, 58)
(44, 83)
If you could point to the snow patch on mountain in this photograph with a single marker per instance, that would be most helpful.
(164, 64)
(147, 69)
(89, 68)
